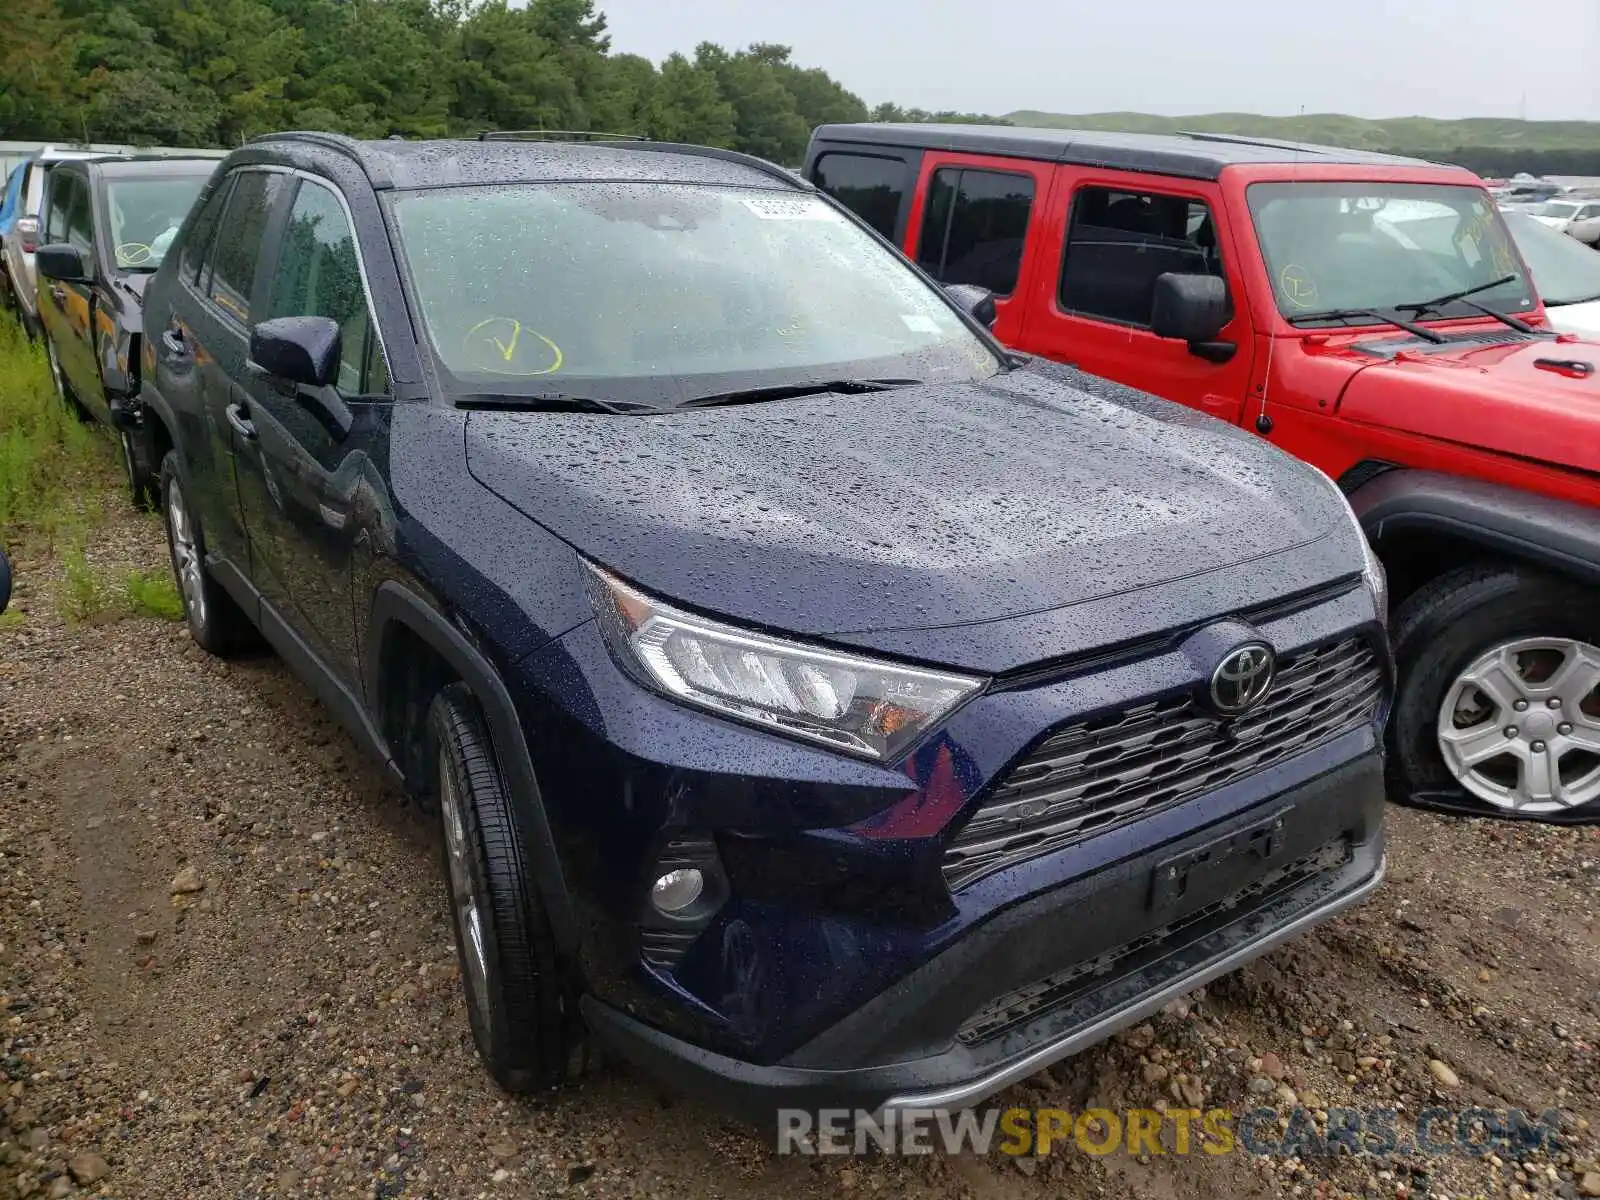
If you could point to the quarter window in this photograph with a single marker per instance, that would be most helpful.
(318, 275)
(871, 187)
(974, 227)
(238, 245)
(1119, 243)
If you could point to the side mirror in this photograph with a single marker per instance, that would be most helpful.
(303, 350)
(1190, 308)
(977, 302)
(5, 581)
(60, 261)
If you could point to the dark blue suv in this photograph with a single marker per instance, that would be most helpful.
(823, 704)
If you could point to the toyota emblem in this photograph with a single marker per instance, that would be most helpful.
(1243, 678)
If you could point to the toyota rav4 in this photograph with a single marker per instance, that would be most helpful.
(820, 706)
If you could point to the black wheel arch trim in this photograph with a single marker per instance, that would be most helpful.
(1556, 534)
(394, 604)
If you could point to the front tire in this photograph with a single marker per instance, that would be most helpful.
(1498, 705)
(216, 623)
(523, 1019)
(143, 490)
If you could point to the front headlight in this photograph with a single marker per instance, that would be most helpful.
(1372, 572)
(859, 705)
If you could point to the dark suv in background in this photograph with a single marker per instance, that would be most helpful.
(106, 225)
(820, 704)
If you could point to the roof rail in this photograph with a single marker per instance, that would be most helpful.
(730, 156)
(557, 135)
(1239, 139)
(348, 146)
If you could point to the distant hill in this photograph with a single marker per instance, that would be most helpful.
(1487, 144)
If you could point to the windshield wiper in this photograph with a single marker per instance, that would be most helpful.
(786, 391)
(1438, 302)
(1345, 314)
(551, 402)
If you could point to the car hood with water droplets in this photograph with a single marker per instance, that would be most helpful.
(923, 507)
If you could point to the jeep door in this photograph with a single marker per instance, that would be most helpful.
(306, 471)
(1106, 236)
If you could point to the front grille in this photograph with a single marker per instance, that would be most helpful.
(1033, 1000)
(1092, 775)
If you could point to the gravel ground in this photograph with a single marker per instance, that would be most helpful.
(226, 970)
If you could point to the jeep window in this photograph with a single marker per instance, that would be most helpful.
(1564, 270)
(871, 187)
(80, 225)
(233, 262)
(1384, 246)
(197, 246)
(661, 293)
(319, 275)
(1119, 242)
(145, 215)
(973, 227)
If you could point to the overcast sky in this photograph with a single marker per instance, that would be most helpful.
(1372, 58)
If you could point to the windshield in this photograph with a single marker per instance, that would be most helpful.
(658, 293)
(1385, 246)
(145, 215)
(1557, 208)
(1564, 270)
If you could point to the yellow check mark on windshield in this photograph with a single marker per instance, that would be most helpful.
(507, 349)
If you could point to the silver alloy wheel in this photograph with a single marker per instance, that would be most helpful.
(469, 921)
(1520, 727)
(185, 554)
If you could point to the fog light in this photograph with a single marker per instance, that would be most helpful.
(677, 890)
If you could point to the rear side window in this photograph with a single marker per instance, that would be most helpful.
(198, 243)
(974, 227)
(1118, 243)
(873, 188)
(318, 275)
(233, 261)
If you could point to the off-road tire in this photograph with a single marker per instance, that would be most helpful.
(1438, 632)
(531, 1037)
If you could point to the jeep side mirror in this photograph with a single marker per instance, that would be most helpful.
(60, 262)
(302, 350)
(5, 581)
(1189, 308)
(977, 302)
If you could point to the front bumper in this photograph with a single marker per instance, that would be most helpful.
(1044, 979)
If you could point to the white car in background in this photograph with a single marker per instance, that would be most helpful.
(1575, 217)
(1566, 274)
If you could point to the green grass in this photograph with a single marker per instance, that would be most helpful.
(152, 594)
(58, 473)
(54, 468)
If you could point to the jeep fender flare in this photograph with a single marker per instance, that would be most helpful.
(1555, 534)
(394, 604)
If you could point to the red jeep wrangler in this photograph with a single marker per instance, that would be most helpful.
(1367, 313)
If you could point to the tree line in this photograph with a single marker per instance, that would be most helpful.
(217, 72)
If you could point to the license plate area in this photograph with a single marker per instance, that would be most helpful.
(1202, 873)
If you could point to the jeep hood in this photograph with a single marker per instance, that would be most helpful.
(1493, 396)
(933, 505)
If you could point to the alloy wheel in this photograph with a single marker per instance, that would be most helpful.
(463, 895)
(186, 554)
(1520, 727)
